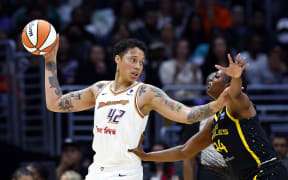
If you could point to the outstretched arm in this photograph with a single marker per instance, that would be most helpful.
(156, 99)
(71, 102)
(235, 71)
(194, 145)
(241, 105)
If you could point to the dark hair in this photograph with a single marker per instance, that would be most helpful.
(69, 143)
(40, 168)
(121, 47)
(22, 171)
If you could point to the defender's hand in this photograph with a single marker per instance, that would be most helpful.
(235, 69)
(52, 54)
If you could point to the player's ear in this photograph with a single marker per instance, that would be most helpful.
(117, 59)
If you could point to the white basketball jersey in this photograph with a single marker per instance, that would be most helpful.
(118, 125)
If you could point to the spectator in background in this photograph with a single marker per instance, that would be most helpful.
(71, 156)
(156, 57)
(31, 10)
(149, 33)
(126, 13)
(237, 34)
(79, 40)
(217, 54)
(194, 31)
(71, 175)
(214, 15)
(255, 57)
(40, 172)
(22, 174)
(5, 21)
(161, 170)
(164, 14)
(179, 17)
(258, 26)
(178, 71)
(119, 31)
(277, 69)
(280, 145)
(69, 65)
(167, 36)
(95, 68)
(66, 9)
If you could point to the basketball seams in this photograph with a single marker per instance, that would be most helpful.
(38, 37)
(41, 41)
(50, 39)
(37, 33)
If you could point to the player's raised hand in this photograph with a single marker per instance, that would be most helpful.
(234, 69)
(52, 54)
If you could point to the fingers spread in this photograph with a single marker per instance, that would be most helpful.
(230, 58)
(242, 61)
(219, 67)
(244, 67)
(237, 58)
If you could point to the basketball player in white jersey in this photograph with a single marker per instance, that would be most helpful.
(121, 107)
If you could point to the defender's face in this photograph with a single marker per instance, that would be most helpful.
(131, 64)
(215, 84)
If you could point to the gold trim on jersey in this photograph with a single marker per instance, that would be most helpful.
(136, 105)
(255, 177)
(217, 114)
(236, 121)
(125, 90)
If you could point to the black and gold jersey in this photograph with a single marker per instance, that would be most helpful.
(242, 142)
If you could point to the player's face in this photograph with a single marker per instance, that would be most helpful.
(131, 64)
(216, 83)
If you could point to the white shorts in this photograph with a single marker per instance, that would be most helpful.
(114, 173)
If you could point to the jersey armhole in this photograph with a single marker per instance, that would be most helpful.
(109, 82)
(136, 102)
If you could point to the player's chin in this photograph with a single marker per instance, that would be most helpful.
(209, 93)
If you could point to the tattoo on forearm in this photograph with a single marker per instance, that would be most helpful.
(65, 103)
(53, 81)
(199, 113)
(164, 99)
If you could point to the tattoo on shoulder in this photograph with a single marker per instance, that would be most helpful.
(65, 103)
(174, 106)
(199, 113)
(53, 81)
(100, 85)
(142, 90)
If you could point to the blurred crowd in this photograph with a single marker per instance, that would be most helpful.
(185, 38)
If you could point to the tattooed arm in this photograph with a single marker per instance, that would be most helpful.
(71, 102)
(156, 99)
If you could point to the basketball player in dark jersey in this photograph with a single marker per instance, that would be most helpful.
(235, 132)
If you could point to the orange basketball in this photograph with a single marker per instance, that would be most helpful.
(38, 37)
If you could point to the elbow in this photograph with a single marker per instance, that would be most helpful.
(51, 107)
